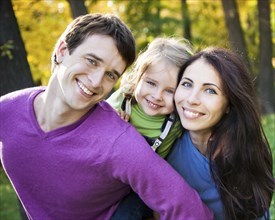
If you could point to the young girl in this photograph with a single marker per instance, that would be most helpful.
(146, 95)
(223, 152)
(146, 99)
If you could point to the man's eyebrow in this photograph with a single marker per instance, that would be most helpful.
(94, 56)
(101, 60)
(117, 73)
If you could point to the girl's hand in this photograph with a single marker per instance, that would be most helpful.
(123, 115)
(154, 217)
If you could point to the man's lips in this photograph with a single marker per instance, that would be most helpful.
(84, 88)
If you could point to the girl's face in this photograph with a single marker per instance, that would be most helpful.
(199, 98)
(155, 90)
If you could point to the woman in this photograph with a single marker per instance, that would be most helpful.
(223, 152)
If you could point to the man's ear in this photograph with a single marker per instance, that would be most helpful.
(61, 51)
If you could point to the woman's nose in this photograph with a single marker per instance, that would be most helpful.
(194, 97)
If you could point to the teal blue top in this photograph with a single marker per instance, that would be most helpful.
(194, 168)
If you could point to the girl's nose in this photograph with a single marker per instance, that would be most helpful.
(158, 94)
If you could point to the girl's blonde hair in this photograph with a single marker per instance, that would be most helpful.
(173, 50)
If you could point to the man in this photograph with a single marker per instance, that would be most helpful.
(67, 153)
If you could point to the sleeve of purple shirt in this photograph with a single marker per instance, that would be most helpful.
(155, 181)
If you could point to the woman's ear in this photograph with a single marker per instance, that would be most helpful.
(60, 53)
(227, 109)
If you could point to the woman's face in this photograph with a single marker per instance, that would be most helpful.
(199, 98)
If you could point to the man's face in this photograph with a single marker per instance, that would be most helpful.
(88, 75)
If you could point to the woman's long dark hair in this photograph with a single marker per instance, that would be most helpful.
(242, 153)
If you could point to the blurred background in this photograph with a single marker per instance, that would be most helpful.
(29, 30)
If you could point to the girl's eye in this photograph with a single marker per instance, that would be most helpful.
(151, 83)
(186, 84)
(211, 91)
(111, 75)
(170, 91)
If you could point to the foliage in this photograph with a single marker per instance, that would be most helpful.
(8, 200)
(6, 48)
(251, 33)
(268, 123)
(41, 23)
(207, 30)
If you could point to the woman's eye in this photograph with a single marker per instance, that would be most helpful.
(186, 84)
(211, 91)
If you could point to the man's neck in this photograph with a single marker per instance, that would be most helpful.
(51, 113)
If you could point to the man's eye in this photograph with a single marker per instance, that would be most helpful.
(91, 61)
(111, 75)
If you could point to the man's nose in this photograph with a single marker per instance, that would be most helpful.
(96, 77)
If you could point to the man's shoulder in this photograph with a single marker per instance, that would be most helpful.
(106, 109)
(106, 116)
(106, 106)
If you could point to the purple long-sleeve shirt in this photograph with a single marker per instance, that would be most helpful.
(82, 171)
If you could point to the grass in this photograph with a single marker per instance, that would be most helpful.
(269, 127)
(9, 209)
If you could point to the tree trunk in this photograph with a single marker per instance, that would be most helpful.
(15, 72)
(78, 8)
(158, 17)
(266, 80)
(235, 31)
(186, 20)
